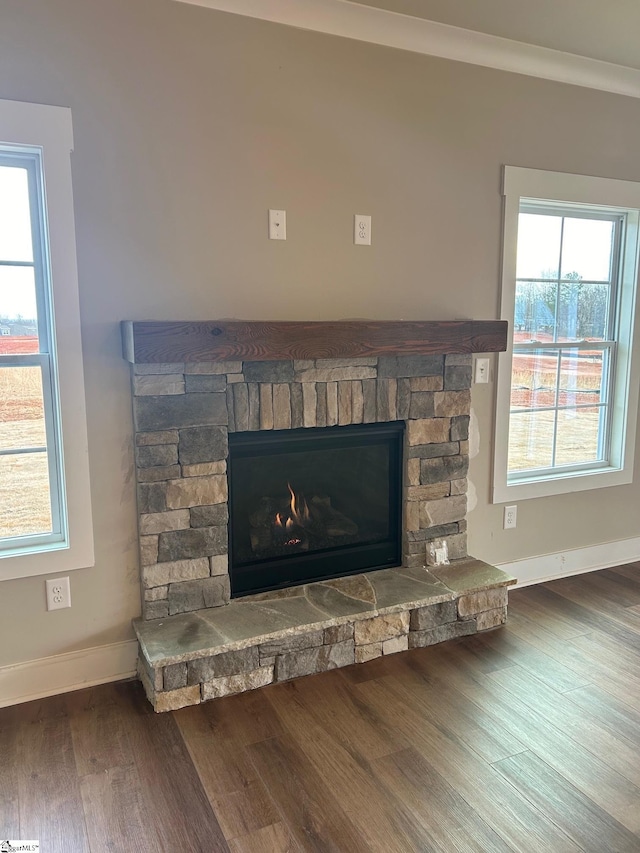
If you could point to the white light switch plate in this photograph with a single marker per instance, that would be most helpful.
(482, 371)
(277, 224)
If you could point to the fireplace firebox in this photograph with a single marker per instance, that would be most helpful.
(311, 504)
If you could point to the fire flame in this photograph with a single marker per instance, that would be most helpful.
(299, 515)
(299, 508)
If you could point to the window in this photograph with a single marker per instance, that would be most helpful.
(31, 506)
(567, 387)
(45, 517)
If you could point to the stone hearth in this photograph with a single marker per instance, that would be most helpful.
(276, 636)
(183, 413)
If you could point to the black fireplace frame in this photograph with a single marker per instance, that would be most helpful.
(319, 565)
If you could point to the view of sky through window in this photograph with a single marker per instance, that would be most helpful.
(17, 287)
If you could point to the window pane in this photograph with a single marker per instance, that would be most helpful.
(22, 408)
(15, 220)
(25, 507)
(530, 440)
(534, 379)
(587, 247)
(582, 378)
(583, 311)
(577, 439)
(538, 245)
(18, 324)
(535, 309)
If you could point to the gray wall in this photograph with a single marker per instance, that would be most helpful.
(189, 125)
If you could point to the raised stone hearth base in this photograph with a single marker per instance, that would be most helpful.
(192, 657)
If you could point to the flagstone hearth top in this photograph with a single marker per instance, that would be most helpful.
(275, 615)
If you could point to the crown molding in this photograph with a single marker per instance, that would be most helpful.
(392, 29)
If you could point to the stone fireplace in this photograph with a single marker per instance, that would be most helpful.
(196, 385)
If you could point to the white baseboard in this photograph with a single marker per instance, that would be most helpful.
(575, 562)
(35, 679)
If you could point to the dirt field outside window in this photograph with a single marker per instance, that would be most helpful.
(25, 506)
(533, 386)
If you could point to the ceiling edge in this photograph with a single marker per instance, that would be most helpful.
(392, 29)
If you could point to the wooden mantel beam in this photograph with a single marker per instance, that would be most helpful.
(153, 342)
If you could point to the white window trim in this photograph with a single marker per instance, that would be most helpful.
(50, 128)
(622, 196)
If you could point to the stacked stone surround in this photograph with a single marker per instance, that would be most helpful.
(183, 414)
(210, 654)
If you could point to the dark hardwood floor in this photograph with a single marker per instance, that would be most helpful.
(526, 738)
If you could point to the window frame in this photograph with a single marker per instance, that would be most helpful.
(608, 346)
(47, 130)
(607, 195)
(31, 161)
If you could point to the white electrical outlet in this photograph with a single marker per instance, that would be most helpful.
(482, 371)
(510, 517)
(277, 224)
(58, 593)
(362, 230)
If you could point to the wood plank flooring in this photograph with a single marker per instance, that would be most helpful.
(524, 739)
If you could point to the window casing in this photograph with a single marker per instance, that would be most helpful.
(567, 386)
(47, 442)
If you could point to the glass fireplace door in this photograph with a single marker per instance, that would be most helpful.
(310, 504)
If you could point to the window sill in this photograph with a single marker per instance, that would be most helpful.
(598, 478)
(48, 559)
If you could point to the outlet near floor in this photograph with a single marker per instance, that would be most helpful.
(510, 517)
(58, 593)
